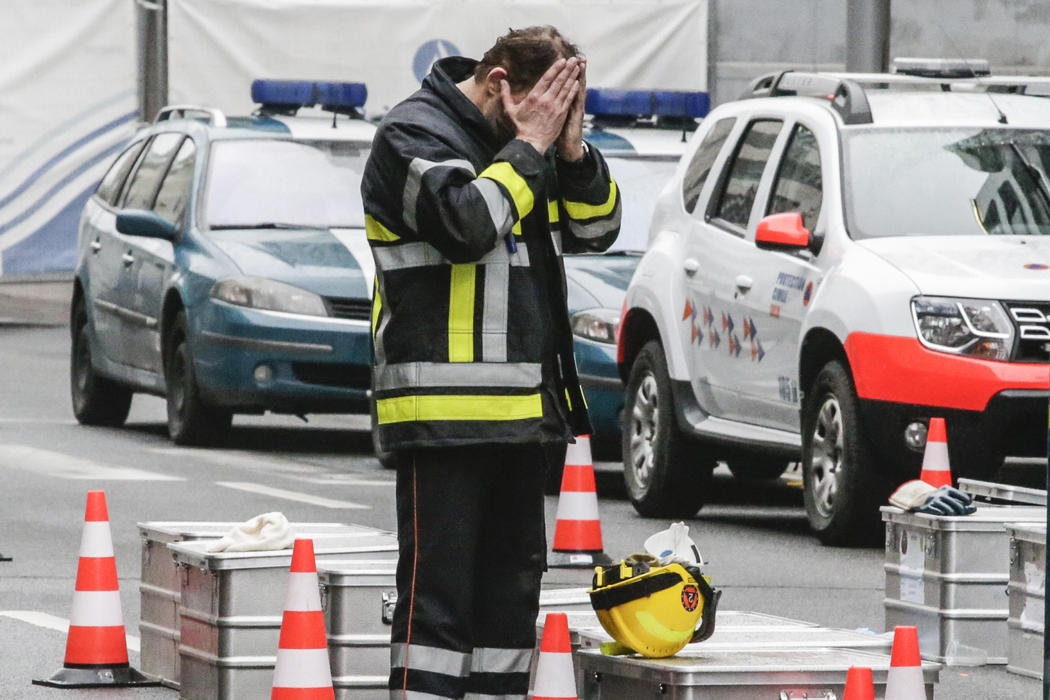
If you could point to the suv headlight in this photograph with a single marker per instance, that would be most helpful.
(973, 327)
(262, 293)
(596, 324)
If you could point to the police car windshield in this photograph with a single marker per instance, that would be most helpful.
(947, 182)
(263, 183)
(640, 181)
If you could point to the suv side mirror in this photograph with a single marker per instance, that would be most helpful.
(148, 224)
(783, 232)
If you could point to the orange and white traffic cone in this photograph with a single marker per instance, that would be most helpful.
(555, 677)
(96, 645)
(859, 684)
(303, 671)
(577, 530)
(935, 468)
(904, 681)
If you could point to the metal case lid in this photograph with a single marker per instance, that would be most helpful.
(987, 518)
(195, 552)
(1027, 532)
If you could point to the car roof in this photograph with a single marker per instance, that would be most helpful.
(307, 125)
(645, 141)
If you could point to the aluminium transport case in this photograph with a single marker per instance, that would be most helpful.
(357, 598)
(699, 674)
(159, 587)
(231, 608)
(1027, 588)
(946, 576)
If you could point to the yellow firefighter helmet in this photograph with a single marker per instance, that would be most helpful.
(653, 609)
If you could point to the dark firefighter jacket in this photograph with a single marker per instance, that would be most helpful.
(471, 333)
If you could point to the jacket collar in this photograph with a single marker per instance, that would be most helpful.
(442, 80)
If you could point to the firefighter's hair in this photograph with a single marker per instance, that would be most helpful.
(525, 54)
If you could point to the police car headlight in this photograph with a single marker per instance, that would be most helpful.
(262, 293)
(596, 324)
(973, 327)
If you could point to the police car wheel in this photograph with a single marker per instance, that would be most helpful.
(666, 473)
(96, 399)
(842, 486)
(191, 420)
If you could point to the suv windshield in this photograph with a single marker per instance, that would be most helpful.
(260, 183)
(946, 182)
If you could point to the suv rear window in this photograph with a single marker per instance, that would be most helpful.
(741, 185)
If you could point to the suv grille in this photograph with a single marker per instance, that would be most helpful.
(357, 309)
(1032, 322)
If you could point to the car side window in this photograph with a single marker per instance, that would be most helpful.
(798, 183)
(745, 172)
(142, 189)
(109, 189)
(174, 191)
(704, 158)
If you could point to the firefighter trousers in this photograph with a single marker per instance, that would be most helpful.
(472, 550)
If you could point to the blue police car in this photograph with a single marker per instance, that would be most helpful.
(642, 135)
(223, 264)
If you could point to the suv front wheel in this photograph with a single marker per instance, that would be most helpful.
(842, 485)
(665, 472)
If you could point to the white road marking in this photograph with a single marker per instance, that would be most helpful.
(37, 421)
(239, 459)
(57, 464)
(291, 495)
(58, 624)
(347, 480)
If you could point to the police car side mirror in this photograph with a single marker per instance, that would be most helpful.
(148, 224)
(783, 232)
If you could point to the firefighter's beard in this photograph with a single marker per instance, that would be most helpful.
(500, 123)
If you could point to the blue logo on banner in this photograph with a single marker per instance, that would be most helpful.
(430, 52)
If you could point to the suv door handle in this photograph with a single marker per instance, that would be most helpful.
(96, 245)
(743, 283)
(691, 266)
(128, 258)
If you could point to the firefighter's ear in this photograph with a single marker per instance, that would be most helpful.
(492, 81)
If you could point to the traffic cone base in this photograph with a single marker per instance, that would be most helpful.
(578, 531)
(96, 645)
(936, 470)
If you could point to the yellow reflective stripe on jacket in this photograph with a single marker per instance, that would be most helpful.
(377, 306)
(458, 407)
(552, 211)
(461, 314)
(581, 211)
(505, 174)
(377, 231)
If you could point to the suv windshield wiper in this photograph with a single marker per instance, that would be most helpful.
(266, 224)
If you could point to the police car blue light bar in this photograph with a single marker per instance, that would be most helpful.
(305, 93)
(607, 102)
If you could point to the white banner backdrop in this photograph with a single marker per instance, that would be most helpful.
(67, 103)
(217, 47)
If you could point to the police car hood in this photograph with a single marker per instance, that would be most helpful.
(987, 267)
(329, 262)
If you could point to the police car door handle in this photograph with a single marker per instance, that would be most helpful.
(128, 258)
(743, 283)
(96, 245)
(691, 266)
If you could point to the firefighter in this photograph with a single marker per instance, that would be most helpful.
(476, 184)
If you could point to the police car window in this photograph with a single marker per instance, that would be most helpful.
(174, 192)
(704, 158)
(745, 172)
(260, 183)
(143, 187)
(109, 188)
(798, 184)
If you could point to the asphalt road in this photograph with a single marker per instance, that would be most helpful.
(753, 535)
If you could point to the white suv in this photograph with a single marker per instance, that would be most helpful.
(838, 259)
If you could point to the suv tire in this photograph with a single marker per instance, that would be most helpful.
(842, 487)
(96, 399)
(191, 420)
(666, 473)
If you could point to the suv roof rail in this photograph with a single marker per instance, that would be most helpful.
(845, 94)
(211, 115)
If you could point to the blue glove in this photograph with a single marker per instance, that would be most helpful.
(947, 501)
